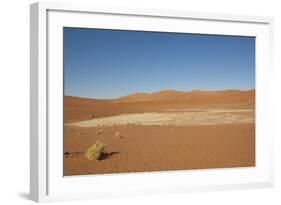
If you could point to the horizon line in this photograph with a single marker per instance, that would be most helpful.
(171, 90)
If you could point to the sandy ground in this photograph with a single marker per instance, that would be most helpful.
(160, 136)
(160, 148)
(175, 118)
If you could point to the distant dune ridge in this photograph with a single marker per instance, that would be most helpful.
(195, 95)
(77, 109)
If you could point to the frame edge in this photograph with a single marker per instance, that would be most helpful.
(34, 40)
(38, 103)
(96, 8)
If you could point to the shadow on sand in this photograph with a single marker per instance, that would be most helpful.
(107, 155)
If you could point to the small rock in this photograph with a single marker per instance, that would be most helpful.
(66, 153)
(81, 133)
(92, 116)
(118, 135)
(99, 131)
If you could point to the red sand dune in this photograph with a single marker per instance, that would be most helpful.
(77, 109)
(196, 96)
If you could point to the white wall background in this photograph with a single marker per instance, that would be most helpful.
(14, 101)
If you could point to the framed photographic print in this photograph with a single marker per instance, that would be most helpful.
(130, 101)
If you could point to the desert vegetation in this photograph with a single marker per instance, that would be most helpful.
(96, 151)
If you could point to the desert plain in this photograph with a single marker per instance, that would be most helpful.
(162, 131)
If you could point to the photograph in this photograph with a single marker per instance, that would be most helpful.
(149, 101)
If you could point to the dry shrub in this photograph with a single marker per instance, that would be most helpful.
(95, 151)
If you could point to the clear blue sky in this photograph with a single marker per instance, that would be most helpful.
(110, 63)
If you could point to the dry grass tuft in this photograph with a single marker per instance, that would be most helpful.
(95, 151)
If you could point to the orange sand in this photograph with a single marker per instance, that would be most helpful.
(190, 144)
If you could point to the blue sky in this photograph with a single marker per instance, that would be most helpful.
(109, 63)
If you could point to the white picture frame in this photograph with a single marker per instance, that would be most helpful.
(46, 178)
